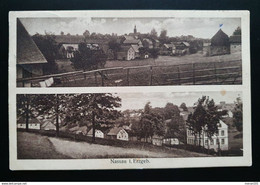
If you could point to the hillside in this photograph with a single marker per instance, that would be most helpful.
(33, 146)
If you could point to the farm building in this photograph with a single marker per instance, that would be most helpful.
(30, 60)
(235, 43)
(166, 49)
(171, 141)
(126, 53)
(68, 44)
(98, 133)
(117, 133)
(34, 123)
(129, 40)
(147, 43)
(67, 50)
(48, 125)
(180, 48)
(220, 44)
(218, 140)
(156, 43)
(157, 140)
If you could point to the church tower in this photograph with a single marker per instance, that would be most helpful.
(135, 31)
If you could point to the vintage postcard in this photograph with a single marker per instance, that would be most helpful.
(129, 89)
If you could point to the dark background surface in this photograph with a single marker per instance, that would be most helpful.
(191, 174)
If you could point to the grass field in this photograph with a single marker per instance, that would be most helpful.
(35, 146)
(167, 70)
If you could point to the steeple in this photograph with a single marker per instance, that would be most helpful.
(135, 30)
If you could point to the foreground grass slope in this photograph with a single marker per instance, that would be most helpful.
(34, 146)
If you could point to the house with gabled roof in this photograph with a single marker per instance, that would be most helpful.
(98, 133)
(220, 44)
(118, 133)
(30, 60)
(48, 125)
(126, 53)
(33, 123)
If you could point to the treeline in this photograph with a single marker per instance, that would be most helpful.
(68, 109)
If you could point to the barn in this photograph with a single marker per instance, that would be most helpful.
(220, 44)
(118, 133)
(30, 60)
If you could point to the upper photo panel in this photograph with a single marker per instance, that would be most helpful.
(123, 51)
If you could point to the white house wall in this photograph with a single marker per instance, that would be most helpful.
(122, 135)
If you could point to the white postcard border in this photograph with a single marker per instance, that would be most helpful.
(65, 164)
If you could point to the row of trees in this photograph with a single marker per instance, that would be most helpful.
(70, 108)
(166, 122)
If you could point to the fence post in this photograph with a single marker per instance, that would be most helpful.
(95, 73)
(127, 76)
(102, 78)
(193, 73)
(179, 75)
(74, 78)
(215, 71)
(151, 75)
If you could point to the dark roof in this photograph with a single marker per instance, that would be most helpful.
(76, 39)
(69, 39)
(90, 132)
(114, 131)
(124, 48)
(27, 50)
(31, 120)
(235, 39)
(220, 39)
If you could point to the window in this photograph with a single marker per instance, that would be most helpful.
(212, 142)
(217, 141)
(222, 141)
(206, 142)
(222, 132)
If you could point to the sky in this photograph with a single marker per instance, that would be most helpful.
(198, 27)
(159, 99)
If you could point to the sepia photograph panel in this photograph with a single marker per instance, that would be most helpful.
(125, 51)
(132, 125)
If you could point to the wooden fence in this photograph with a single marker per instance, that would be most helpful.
(184, 74)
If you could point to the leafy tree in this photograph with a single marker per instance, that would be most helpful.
(163, 36)
(151, 123)
(238, 115)
(154, 52)
(25, 107)
(115, 46)
(86, 34)
(184, 107)
(54, 106)
(205, 118)
(170, 110)
(87, 58)
(48, 46)
(154, 34)
(62, 33)
(237, 31)
(99, 108)
(176, 128)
